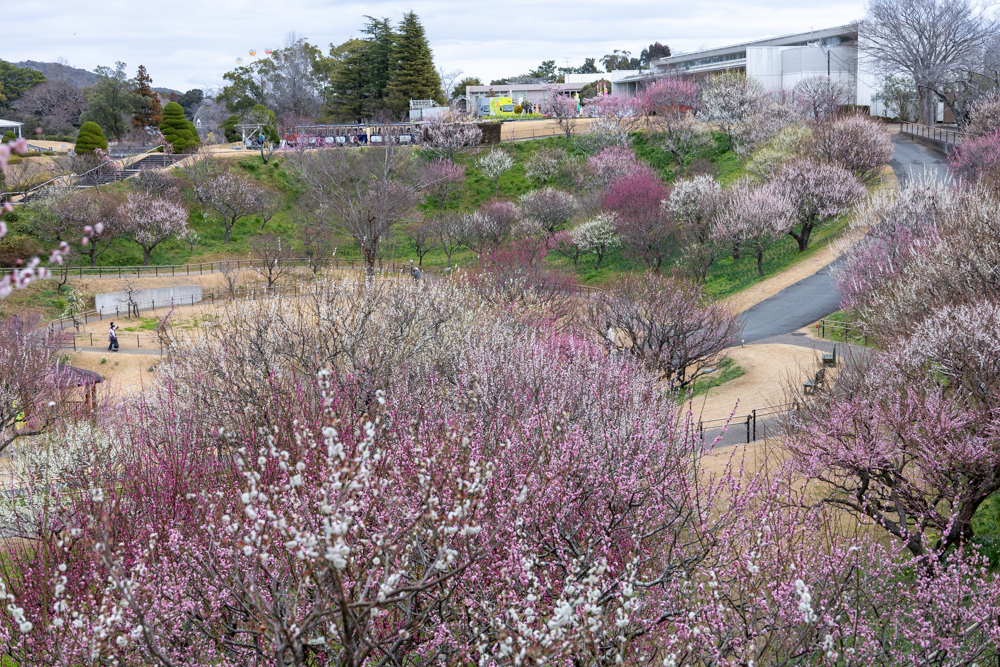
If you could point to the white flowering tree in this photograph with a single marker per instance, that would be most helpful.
(599, 235)
(495, 164)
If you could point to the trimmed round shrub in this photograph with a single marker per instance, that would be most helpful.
(90, 137)
(8, 136)
(229, 128)
(177, 129)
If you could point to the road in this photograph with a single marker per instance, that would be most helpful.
(913, 159)
(815, 297)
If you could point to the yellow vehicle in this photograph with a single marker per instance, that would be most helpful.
(501, 106)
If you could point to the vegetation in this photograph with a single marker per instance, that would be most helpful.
(91, 136)
(177, 129)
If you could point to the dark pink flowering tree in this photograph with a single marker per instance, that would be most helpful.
(978, 158)
(671, 105)
(644, 227)
(819, 193)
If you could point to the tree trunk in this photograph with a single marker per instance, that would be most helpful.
(760, 261)
(928, 106)
(229, 229)
(145, 256)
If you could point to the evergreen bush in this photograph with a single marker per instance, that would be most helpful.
(229, 127)
(8, 136)
(90, 137)
(177, 129)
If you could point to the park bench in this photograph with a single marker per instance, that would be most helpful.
(830, 358)
(817, 383)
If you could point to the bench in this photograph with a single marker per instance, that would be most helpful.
(817, 383)
(830, 359)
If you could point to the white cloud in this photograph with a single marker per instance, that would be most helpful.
(194, 43)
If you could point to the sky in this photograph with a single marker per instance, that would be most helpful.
(194, 43)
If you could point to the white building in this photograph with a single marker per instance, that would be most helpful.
(778, 63)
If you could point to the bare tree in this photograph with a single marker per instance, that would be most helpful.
(275, 257)
(933, 41)
(230, 276)
(366, 192)
(669, 324)
(423, 237)
(318, 246)
(450, 230)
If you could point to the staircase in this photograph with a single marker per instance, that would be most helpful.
(103, 176)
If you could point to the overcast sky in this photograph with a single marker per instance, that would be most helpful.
(193, 44)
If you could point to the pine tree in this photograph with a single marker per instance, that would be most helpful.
(413, 76)
(90, 137)
(151, 113)
(378, 61)
(177, 129)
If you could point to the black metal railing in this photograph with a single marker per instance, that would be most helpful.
(943, 135)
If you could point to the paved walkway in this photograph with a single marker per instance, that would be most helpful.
(815, 297)
(913, 159)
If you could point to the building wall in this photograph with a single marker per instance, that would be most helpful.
(764, 63)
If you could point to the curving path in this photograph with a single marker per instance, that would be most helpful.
(815, 297)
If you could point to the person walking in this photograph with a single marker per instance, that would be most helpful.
(112, 338)
(415, 272)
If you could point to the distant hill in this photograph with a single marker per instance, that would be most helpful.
(166, 91)
(74, 76)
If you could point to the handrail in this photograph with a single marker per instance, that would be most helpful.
(945, 135)
(78, 176)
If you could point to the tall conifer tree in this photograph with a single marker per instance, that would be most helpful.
(413, 76)
(151, 113)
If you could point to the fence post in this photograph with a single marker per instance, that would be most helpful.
(823, 323)
(754, 413)
(748, 429)
(137, 343)
(91, 340)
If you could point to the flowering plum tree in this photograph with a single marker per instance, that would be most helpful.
(695, 205)
(859, 144)
(232, 197)
(365, 193)
(754, 216)
(495, 164)
(977, 159)
(613, 164)
(562, 107)
(445, 137)
(148, 221)
(821, 97)
(548, 207)
(818, 193)
(444, 179)
(730, 100)
(492, 224)
(671, 105)
(645, 230)
(543, 164)
(598, 236)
